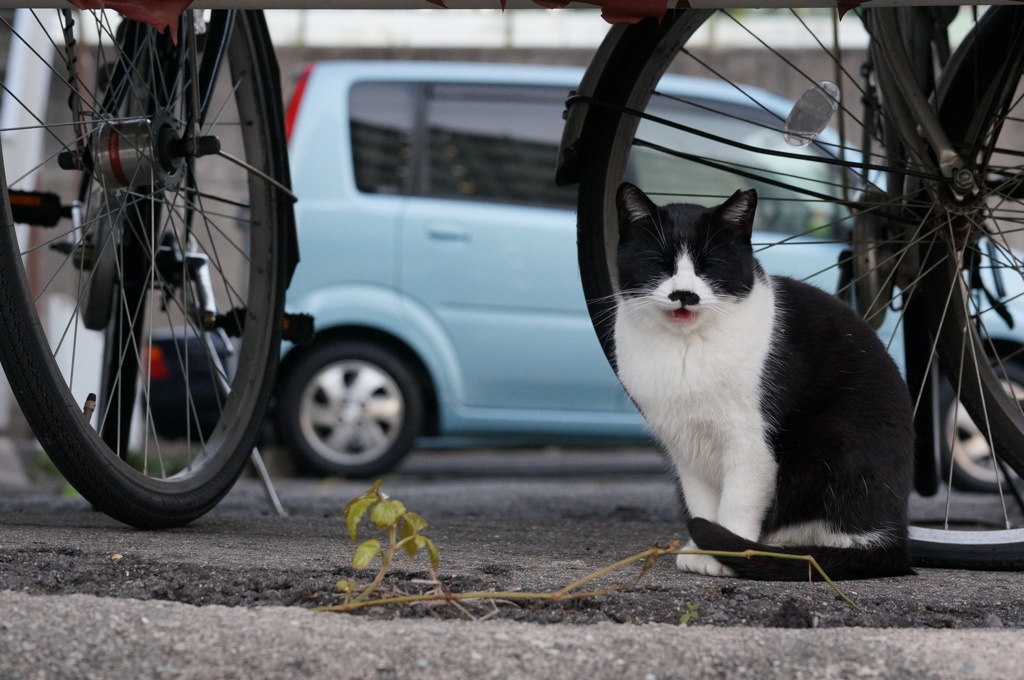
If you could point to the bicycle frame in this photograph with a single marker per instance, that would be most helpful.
(912, 109)
(907, 104)
(636, 8)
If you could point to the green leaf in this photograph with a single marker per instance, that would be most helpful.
(414, 520)
(366, 552)
(354, 512)
(433, 551)
(372, 492)
(414, 545)
(690, 614)
(386, 514)
(407, 532)
(345, 586)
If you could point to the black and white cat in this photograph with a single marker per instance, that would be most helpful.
(786, 419)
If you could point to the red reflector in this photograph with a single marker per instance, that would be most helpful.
(153, 357)
(293, 105)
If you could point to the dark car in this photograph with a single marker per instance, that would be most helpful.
(181, 379)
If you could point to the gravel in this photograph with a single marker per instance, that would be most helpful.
(231, 595)
(528, 535)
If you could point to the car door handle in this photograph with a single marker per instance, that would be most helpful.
(448, 233)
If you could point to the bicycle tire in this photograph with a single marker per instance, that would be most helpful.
(212, 246)
(618, 89)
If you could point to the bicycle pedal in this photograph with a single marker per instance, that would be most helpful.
(38, 208)
(298, 328)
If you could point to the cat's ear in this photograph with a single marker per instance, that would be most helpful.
(738, 212)
(634, 209)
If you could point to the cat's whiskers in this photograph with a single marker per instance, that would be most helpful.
(656, 221)
(642, 303)
(645, 298)
(706, 249)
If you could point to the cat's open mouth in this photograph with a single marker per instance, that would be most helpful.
(683, 314)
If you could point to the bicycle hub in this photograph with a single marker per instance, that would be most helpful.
(138, 153)
(963, 182)
(127, 155)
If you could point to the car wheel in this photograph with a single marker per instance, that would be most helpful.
(966, 448)
(350, 408)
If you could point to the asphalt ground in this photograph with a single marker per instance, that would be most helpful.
(231, 594)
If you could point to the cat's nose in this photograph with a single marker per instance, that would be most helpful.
(684, 297)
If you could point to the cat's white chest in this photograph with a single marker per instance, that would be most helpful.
(700, 389)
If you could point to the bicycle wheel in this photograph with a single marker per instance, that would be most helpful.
(144, 287)
(863, 219)
(973, 273)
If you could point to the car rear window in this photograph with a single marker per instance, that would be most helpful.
(382, 119)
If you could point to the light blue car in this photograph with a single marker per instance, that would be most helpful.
(438, 259)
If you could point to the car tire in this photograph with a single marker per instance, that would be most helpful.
(964, 446)
(350, 408)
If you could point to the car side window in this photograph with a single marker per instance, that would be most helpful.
(494, 143)
(669, 178)
(382, 119)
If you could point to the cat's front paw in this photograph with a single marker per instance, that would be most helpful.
(702, 564)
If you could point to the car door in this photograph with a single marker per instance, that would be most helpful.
(351, 185)
(489, 246)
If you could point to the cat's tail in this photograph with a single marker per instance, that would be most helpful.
(838, 563)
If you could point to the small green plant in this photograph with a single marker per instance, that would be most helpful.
(404, 531)
(690, 614)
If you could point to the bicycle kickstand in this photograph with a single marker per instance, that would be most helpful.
(268, 485)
